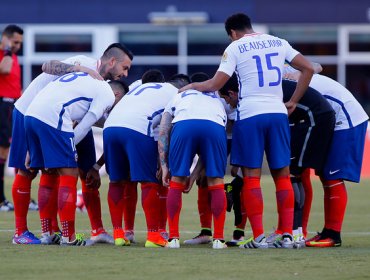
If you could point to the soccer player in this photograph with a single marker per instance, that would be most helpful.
(131, 153)
(344, 159)
(262, 117)
(114, 63)
(198, 120)
(232, 189)
(51, 137)
(10, 91)
(311, 126)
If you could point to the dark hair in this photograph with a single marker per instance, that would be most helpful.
(109, 51)
(199, 77)
(153, 76)
(11, 29)
(120, 85)
(232, 84)
(237, 22)
(179, 80)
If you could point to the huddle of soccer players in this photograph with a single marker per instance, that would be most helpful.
(297, 127)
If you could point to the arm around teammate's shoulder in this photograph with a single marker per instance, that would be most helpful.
(214, 84)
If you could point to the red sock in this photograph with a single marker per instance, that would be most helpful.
(285, 203)
(174, 204)
(218, 208)
(21, 191)
(92, 202)
(129, 205)
(335, 199)
(243, 222)
(307, 186)
(150, 203)
(252, 195)
(48, 201)
(204, 208)
(162, 192)
(115, 203)
(67, 196)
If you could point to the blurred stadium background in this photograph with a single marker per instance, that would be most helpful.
(188, 36)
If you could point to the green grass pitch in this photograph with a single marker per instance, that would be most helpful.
(351, 261)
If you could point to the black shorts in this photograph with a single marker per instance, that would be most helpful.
(310, 141)
(6, 111)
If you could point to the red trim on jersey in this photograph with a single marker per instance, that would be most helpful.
(252, 34)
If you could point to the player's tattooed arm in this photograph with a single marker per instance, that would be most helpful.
(58, 68)
(164, 136)
(163, 145)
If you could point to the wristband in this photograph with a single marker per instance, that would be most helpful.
(96, 166)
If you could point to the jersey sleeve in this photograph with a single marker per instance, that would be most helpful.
(82, 60)
(171, 105)
(103, 100)
(290, 52)
(228, 61)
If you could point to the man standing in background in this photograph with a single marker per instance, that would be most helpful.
(10, 91)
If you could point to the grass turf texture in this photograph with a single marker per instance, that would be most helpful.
(351, 261)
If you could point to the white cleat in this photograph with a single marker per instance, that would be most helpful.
(253, 244)
(173, 244)
(219, 244)
(199, 239)
(103, 237)
(47, 239)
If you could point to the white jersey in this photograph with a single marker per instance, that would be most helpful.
(139, 108)
(258, 60)
(69, 98)
(348, 111)
(195, 105)
(43, 79)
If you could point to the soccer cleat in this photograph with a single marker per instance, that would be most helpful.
(219, 244)
(236, 242)
(79, 241)
(272, 238)
(33, 206)
(324, 243)
(204, 237)
(130, 236)
(285, 242)
(299, 241)
(173, 243)
(119, 238)
(26, 237)
(6, 206)
(160, 243)
(101, 237)
(253, 244)
(47, 239)
(315, 238)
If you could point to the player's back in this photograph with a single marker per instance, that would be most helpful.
(312, 102)
(193, 105)
(348, 110)
(139, 107)
(259, 62)
(43, 79)
(68, 98)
